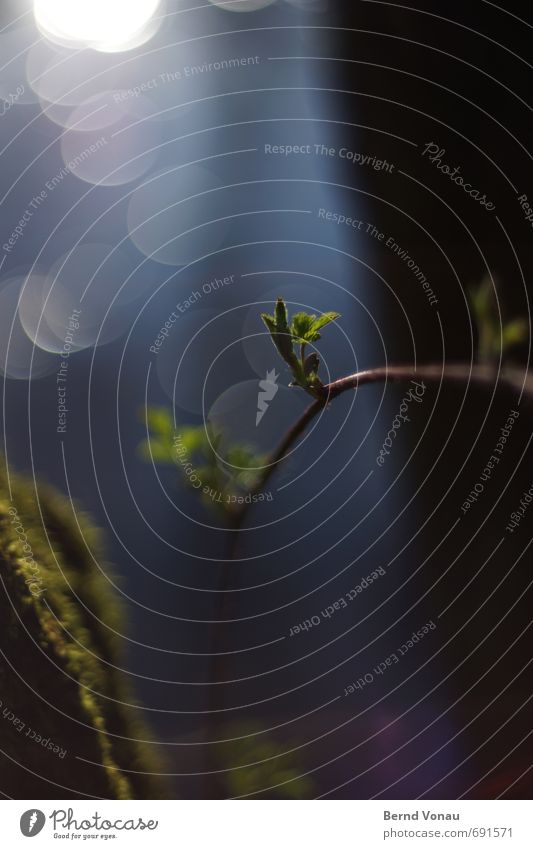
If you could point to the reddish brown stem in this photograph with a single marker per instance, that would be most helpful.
(485, 375)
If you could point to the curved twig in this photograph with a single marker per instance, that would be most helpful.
(484, 375)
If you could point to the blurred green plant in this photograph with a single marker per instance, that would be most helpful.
(495, 336)
(301, 330)
(222, 479)
(260, 765)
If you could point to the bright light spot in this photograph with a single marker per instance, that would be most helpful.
(107, 25)
(242, 5)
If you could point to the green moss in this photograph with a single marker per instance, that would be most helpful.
(59, 675)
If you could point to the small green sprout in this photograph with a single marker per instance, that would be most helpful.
(303, 329)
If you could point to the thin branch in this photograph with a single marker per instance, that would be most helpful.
(433, 373)
(484, 375)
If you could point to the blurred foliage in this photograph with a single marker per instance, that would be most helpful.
(222, 480)
(302, 330)
(59, 660)
(495, 336)
(258, 762)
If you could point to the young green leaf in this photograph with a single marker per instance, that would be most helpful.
(301, 326)
(282, 316)
(156, 451)
(192, 439)
(323, 320)
(282, 340)
(159, 420)
(270, 322)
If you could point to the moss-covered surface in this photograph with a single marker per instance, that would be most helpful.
(66, 729)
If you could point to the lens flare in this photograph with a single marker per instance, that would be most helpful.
(106, 25)
(242, 5)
